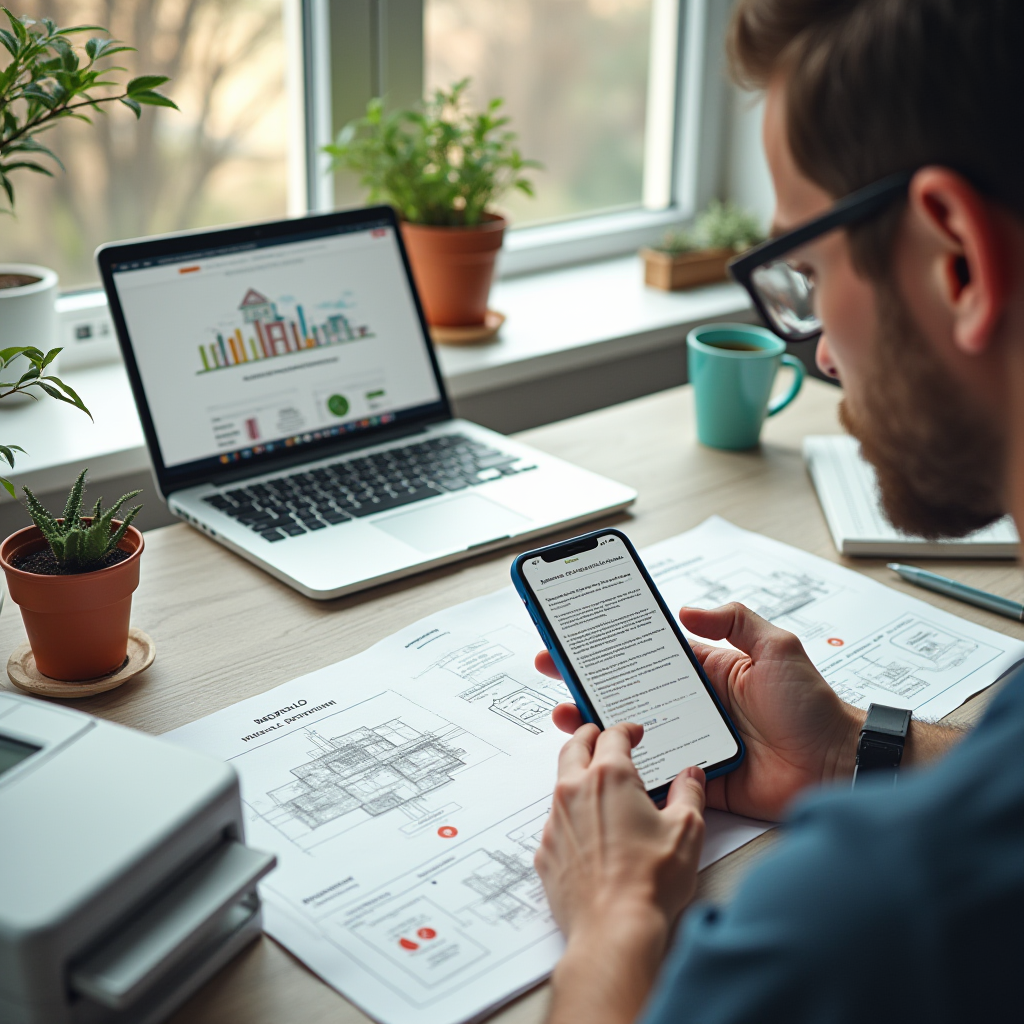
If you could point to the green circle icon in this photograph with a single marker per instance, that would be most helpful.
(338, 404)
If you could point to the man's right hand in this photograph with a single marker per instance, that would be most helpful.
(797, 731)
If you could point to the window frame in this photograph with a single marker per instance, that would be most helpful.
(381, 52)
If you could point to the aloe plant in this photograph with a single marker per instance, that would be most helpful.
(77, 545)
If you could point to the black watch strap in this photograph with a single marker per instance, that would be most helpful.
(882, 739)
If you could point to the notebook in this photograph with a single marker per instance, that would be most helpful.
(848, 492)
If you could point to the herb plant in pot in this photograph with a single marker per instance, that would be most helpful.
(73, 578)
(442, 167)
(685, 259)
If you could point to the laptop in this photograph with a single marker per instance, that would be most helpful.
(294, 410)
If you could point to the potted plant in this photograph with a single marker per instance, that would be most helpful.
(442, 168)
(73, 578)
(46, 81)
(699, 256)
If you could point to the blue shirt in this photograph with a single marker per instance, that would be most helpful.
(882, 904)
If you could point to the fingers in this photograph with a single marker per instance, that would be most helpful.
(567, 717)
(545, 665)
(578, 752)
(617, 742)
(687, 791)
(733, 622)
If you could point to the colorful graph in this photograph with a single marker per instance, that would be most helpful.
(265, 334)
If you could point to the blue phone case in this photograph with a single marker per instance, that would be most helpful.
(569, 675)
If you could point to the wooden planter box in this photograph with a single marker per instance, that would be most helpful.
(685, 270)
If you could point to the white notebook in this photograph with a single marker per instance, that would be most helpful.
(848, 492)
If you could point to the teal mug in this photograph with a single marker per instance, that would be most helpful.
(732, 368)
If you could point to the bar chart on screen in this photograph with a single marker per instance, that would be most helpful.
(258, 330)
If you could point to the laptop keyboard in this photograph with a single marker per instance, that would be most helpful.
(289, 506)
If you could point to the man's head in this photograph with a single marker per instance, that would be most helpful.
(921, 319)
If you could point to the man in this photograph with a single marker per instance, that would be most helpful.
(896, 903)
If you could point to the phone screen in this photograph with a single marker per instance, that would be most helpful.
(629, 659)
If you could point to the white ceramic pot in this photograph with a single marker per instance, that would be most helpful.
(28, 316)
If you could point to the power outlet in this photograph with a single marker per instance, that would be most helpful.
(85, 330)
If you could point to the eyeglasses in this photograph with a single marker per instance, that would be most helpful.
(784, 295)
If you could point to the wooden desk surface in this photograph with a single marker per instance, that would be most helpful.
(225, 630)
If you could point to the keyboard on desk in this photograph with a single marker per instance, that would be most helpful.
(289, 506)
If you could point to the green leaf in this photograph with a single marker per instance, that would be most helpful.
(145, 83)
(73, 508)
(154, 99)
(133, 106)
(8, 487)
(72, 398)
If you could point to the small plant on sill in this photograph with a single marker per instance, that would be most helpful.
(79, 545)
(720, 226)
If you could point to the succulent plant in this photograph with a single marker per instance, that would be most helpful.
(76, 544)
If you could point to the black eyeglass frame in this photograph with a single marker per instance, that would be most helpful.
(857, 206)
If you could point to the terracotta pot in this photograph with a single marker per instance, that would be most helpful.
(77, 625)
(454, 268)
(685, 270)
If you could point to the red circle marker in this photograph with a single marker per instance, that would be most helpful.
(834, 641)
(408, 944)
(447, 831)
(426, 933)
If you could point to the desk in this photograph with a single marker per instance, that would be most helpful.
(225, 631)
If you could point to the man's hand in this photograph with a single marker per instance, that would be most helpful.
(797, 731)
(617, 872)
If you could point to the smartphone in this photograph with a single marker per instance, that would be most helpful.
(624, 657)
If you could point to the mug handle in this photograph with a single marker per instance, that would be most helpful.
(799, 373)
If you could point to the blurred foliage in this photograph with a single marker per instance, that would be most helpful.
(720, 226)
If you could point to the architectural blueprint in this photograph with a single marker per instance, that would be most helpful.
(405, 790)
(871, 642)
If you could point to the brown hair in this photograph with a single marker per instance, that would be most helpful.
(879, 86)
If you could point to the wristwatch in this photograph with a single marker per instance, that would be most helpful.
(880, 748)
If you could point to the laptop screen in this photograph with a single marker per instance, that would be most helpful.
(254, 348)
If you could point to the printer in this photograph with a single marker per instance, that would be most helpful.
(124, 879)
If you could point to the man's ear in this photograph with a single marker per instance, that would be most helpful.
(969, 256)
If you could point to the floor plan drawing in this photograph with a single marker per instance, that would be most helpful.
(904, 659)
(347, 776)
(457, 915)
(508, 887)
(773, 590)
(405, 789)
(529, 707)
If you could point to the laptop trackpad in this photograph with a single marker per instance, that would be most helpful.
(453, 525)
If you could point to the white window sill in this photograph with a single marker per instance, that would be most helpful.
(557, 322)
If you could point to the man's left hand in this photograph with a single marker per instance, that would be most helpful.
(617, 871)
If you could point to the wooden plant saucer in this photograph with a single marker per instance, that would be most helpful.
(473, 335)
(22, 671)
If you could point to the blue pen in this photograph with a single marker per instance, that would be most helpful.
(962, 592)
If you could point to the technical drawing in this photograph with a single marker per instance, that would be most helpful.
(341, 777)
(526, 706)
(937, 648)
(528, 835)
(904, 659)
(774, 591)
(509, 888)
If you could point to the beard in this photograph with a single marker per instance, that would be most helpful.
(938, 457)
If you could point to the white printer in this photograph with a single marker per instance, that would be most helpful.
(124, 881)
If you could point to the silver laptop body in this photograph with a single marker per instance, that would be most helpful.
(294, 410)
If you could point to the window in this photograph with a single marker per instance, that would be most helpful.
(223, 158)
(620, 99)
(574, 77)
